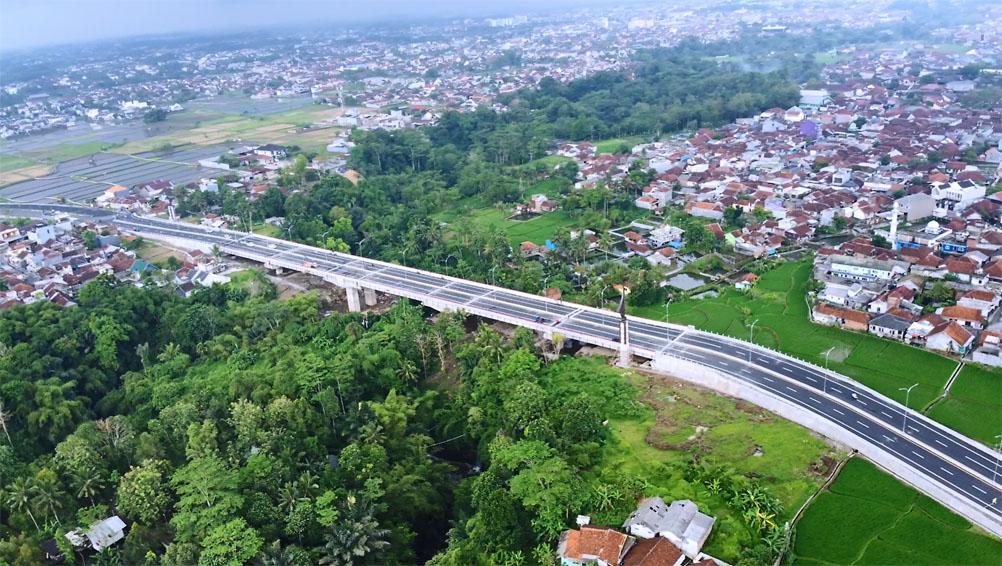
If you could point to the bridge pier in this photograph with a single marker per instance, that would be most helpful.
(370, 296)
(354, 305)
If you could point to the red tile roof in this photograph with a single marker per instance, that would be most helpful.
(657, 551)
(602, 542)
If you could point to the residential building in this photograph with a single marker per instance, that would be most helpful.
(889, 326)
(593, 545)
(949, 337)
(681, 523)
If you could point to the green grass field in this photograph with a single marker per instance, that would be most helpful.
(66, 151)
(13, 162)
(658, 425)
(868, 517)
(612, 145)
(829, 58)
(537, 230)
(974, 404)
(777, 303)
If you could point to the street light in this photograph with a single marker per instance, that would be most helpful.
(824, 376)
(667, 327)
(751, 336)
(908, 392)
(995, 475)
(494, 280)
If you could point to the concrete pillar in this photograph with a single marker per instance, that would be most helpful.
(624, 357)
(370, 297)
(278, 270)
(353, 303)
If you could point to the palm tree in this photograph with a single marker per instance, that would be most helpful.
(407, 371)
(47, 493)
(18, 498)
(288, 498)
(89, 484)
(357, 535)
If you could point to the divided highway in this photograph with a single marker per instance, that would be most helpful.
(964, 468)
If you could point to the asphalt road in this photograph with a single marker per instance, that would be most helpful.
(959, 464)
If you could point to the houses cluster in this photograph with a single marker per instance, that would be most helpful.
(896, 293)
(656, 534)
(52, 260)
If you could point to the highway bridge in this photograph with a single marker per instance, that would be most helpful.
(960, 473)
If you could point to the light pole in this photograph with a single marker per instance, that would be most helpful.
(546, 306)
(751, 336)
(494, 280)
(360, 242)
(667, 327)
(908, 392)
(995, 475)
(824, 376)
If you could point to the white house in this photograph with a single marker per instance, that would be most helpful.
(100, 535)
(952, 198)
(681, 523)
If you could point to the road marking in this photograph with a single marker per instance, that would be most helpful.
(938, 441)
(769, 379)
(886, 414)
(945, 470)
(861, 402)
(979, 489)
(697, 354)
(887, 438)
(862, 424)
(813, 399)
(838, 411)
(913, 429)
(973, 460)
(834, 389)
(791, 389)
(919, 455)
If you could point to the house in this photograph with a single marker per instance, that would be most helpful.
(866, 268)
(100, 535)
(949, 337)
(272, 151)
(848, 318)
(681, 523)
(666, 235)
(889, 326)
(664, 256)
(980, 299)
(712, 210)
(540, 204)
(593, 545)
(529, 249)
(916, 207)
(965, 316)
(745, 281)
(989, 351)
(657, 551)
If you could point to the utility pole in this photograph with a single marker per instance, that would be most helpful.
(908, 392)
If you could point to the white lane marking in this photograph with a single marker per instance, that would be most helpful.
(791, 389)
(913, 429)
(810, 378)
(836, 390)
(919, 455)
(813, 399)
(937, 441)
(697, 354)
(945, 470)
(972, 459)
(769, 379)
(979, 489)
(838, 411)
(887, 414)
(862, 424)
(861, 402)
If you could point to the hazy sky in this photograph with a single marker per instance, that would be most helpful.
(30, 23)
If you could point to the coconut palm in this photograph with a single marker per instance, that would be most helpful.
(88, 483)
(407, 371)
(18, 498)
(47, 493)
(355, 536)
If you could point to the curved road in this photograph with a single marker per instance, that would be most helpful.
(966, 469)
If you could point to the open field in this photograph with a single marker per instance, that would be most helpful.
(12, 162)
(777, 303)
(974, 404)
(24, 174)
(830, 58)
(658, 425)
(868, 517)
(612, 145)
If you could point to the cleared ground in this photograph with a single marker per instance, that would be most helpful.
(657, 425)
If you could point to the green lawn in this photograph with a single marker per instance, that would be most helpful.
(537, 230)
(974, 404)
(612, 145)
(657, 425)
(829, 58)
(868, 517)
(12, 162)
(265, 229)
(777, 303)
(550, 161)
(66, 151)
